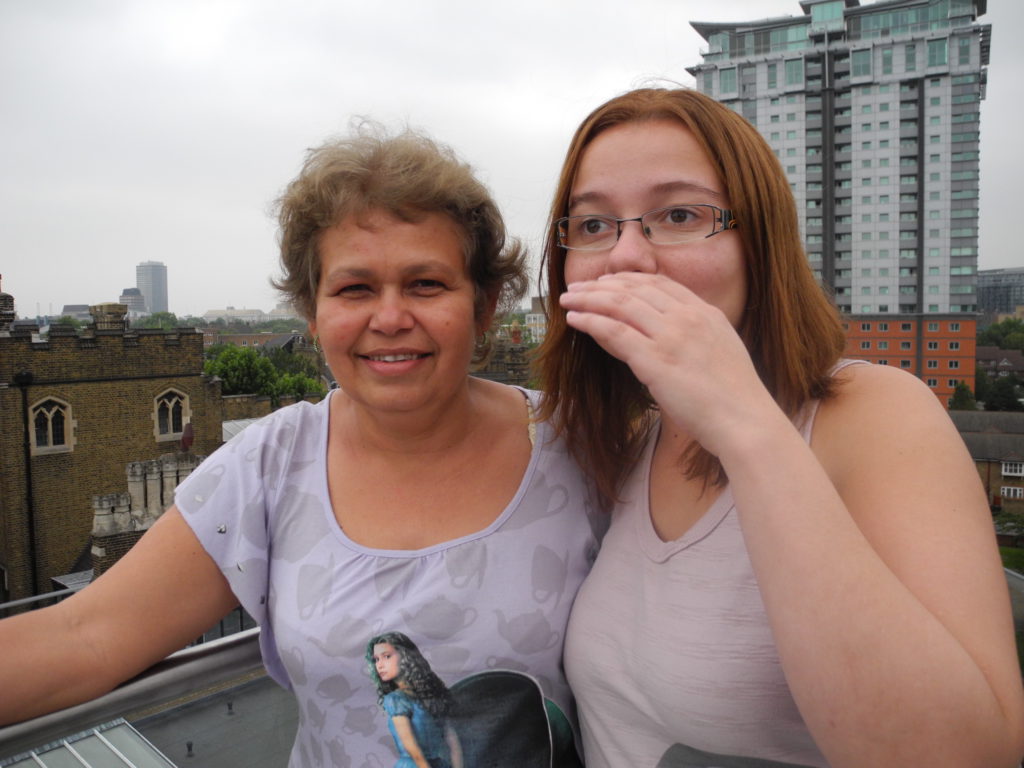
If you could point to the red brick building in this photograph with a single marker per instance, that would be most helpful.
(939, 349)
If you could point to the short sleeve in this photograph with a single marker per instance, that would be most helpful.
(397, 704)
(224, 503)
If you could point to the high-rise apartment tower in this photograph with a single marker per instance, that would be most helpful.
(151, 279)
(873, 111)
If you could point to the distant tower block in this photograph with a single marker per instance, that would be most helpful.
(134, 300)
(151, 280)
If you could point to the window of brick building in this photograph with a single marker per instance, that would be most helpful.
(171, 413)
(1013, 469)
(52, 427)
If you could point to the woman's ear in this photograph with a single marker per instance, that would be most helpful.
(486, 318)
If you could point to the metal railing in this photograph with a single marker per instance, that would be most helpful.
(36, 601)
(185, 672)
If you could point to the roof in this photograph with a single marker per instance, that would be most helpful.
(1012, 359)
(76, 580)
(707, 28)
(111, 745)
(991, 435)
(284, 340)
(229, 429)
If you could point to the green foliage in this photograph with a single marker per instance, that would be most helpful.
(289, 362)
(1006, 334)
(1020, 648)
(299, 385)
(166, 321)
(1013, 558)
(982, 384)
(74, 322)
(214, 351)
(280, 325)
(1009, 522)
(1003, 396)
(243, 371)
(962, 399)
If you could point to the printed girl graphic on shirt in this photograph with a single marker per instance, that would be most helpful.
(416, 701)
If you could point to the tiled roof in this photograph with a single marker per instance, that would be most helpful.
(991, 435)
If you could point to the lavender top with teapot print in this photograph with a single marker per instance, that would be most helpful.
(495, 600)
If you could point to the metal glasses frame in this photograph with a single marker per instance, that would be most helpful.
(723, 221)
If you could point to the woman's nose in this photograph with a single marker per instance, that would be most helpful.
(632, 252)
(391, 314)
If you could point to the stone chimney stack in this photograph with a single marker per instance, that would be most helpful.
(109, 317)
(6, 311)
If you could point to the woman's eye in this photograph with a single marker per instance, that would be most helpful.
(593, 226)
(679, 215)
(428, 286)
(354, 289)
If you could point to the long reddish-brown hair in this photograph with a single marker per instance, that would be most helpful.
(790, 327)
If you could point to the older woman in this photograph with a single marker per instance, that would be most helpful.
(801, 568)
(414, 498)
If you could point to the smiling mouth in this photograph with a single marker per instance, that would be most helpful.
(394, 358)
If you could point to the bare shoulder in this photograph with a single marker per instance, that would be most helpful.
(505, 403)
(895, 456)
(881, 387)
(879, 403)
(886, 423)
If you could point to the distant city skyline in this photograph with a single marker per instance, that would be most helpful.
(189, 118)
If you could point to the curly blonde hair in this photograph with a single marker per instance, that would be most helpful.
(409, 176)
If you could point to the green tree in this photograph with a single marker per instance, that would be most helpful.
(278, 325)
(213, 351)
(982, 384)
(962, 399)
(166, 321)
(299, 385)
(1002, 396)
(1004, 334)
(74, 322)
(290, 362)
(1014, 340)
(243, 371)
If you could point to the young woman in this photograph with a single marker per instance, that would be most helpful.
(414, 496)
(801, 568)
(417, 703)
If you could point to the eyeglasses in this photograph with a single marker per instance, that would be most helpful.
(663, 226)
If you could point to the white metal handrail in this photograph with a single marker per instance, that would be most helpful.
(201, 666)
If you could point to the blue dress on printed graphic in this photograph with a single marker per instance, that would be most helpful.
(428, 732)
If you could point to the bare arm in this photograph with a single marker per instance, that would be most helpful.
(162, 594)
(874, 551)
(880, 574)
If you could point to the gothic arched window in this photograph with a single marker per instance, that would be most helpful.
(52, 426)
(171, 413)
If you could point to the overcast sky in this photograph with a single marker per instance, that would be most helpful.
(135, 130)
